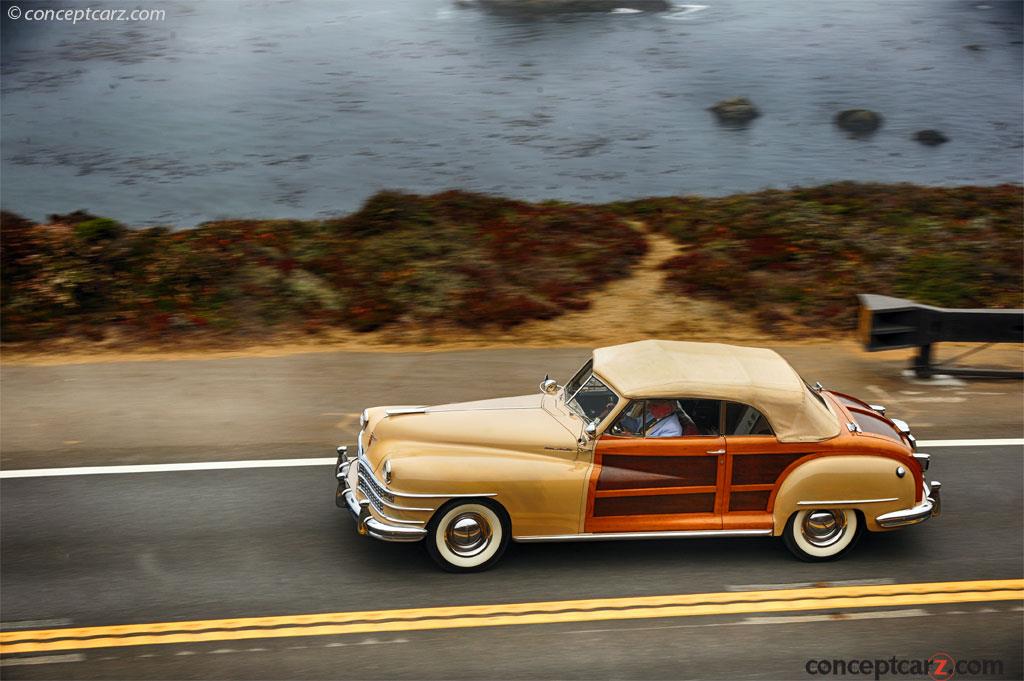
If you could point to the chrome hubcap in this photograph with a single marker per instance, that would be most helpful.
(823, 528)
(467, 534)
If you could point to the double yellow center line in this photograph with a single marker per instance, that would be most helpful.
(545, 612)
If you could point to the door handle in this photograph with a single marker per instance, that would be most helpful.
(716, 451)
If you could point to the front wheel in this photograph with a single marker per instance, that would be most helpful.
(821, 534)
(468, 536)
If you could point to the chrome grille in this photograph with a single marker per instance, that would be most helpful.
(366, 475)
(372, 498)
(369, 490)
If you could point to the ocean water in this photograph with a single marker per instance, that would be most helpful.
(304, 108)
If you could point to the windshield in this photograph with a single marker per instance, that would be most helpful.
(592, 400)
(577, 380)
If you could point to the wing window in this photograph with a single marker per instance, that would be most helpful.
(592, 399)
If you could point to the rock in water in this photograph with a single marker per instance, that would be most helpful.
(932, 138)
(859, 121)
(735, 110)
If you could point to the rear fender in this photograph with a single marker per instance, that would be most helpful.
(867, 483)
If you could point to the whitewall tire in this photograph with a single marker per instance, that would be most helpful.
(468, 536)
(822, 534)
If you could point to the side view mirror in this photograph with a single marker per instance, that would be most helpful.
(549, 386)
(591, 429)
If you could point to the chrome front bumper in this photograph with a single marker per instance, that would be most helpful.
(366, 524)
(930, 507)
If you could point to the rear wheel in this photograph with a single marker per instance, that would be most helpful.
(822, 534)
(468, 536)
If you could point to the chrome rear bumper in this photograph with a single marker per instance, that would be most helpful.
(366, 524)
(930, 507)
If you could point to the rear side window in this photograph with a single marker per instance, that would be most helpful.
(742, 419)
(699, 417)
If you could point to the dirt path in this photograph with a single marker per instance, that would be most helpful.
(627, 309)
(637, 307)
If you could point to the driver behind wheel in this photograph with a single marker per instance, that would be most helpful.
(665, 420)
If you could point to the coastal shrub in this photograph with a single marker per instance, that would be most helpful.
(800, 256)
(450, 258)
(98, 229)
(792, 260)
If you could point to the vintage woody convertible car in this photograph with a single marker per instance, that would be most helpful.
(648, 440)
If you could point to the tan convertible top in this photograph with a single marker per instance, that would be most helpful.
(755, 376)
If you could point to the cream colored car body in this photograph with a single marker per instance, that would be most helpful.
(532, 455)
(524, 452)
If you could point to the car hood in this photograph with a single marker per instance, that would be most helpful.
(526, 423)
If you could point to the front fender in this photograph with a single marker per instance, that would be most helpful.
(542, 494)
(866, 482)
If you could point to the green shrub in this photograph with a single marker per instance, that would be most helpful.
(98, 229)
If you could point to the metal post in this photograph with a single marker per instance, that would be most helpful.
(923, 361)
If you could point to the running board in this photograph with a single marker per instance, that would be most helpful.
(679, 534)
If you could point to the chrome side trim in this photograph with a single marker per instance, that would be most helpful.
(840, 502)
(388, 518)
(410, 495)
(679, 534)
(405, 410)
(384, 502)
(378, 506)
(365, 466)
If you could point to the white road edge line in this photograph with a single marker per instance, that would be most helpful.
(165, 467)
(326, 461)
(998, 442)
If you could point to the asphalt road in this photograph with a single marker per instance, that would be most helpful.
(304, 405)
(197, 545)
